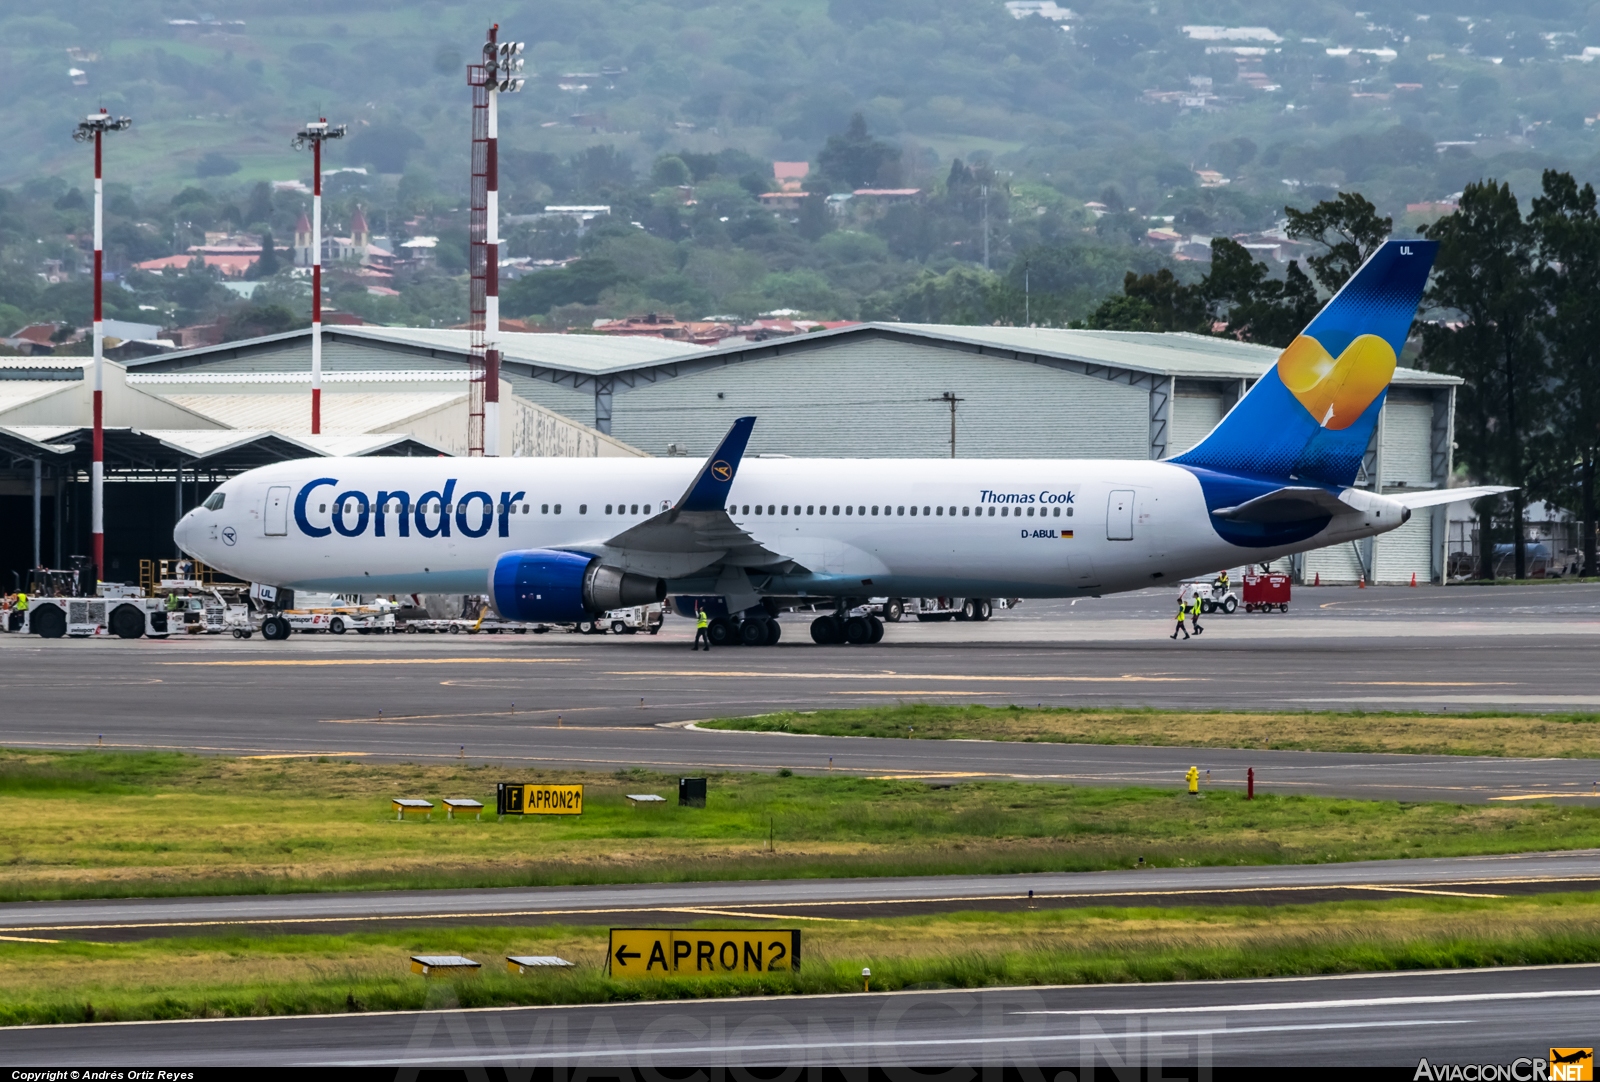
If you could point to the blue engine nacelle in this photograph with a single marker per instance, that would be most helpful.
(549, 586)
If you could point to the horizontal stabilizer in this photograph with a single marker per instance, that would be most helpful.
(1297, 503)
(1433, 497)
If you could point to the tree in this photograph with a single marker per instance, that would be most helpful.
(1349, 228)
(267, 265)
(259, 208)
(857, 160)
(1486, 286)
(1256, 307)
(1568, 228)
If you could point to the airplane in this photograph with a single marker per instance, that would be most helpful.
(562, 540)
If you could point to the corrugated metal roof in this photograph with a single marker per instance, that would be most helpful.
(1180, 355)
(592, 353)
(342, 414)
(172, 379)
(20, 392)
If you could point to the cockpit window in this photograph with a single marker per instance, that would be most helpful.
(214, 501)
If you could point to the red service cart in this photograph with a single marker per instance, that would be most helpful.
(1265, 592)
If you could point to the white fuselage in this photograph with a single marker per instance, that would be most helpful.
(913, 527)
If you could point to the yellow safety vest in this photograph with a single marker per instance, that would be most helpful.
(700, 621)
(22, 602)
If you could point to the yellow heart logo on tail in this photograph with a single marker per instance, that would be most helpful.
(1336, 392)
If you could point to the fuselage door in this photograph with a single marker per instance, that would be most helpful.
(1119, 516)
(277, 508)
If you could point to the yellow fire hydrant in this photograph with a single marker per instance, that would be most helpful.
(1193, 778)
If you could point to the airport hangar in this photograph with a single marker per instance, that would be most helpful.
(868, 390)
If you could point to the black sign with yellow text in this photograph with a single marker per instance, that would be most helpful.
(697, 952)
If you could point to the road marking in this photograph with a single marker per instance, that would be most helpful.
(309, 662)
(1441, 893)
(759, 916)
(733, 911)
(1339, 1004)
(919, 1042)
(909, 691)
(1125, 678)
(32, 939)
(1543, 796)
(1426, 683)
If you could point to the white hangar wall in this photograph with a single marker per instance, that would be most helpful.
(880, 398)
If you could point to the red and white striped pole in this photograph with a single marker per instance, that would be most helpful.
(502, 63)
(491, 283)
(315, 134)
(93, 128)
(316, 285)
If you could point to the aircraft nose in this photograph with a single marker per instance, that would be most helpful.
(183, 533)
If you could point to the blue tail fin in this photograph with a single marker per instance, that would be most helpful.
(1312, 415)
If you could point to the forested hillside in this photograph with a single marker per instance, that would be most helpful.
(672, 114)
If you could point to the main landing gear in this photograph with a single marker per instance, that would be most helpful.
(757, 631)
(855, 630)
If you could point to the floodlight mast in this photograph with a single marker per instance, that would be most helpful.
(496, 75)
(315, 133)
(90, 129)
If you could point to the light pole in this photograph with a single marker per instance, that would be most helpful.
(316, 133)
(495, 76)
(90, 129)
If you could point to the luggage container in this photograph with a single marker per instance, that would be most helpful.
(1265, 592)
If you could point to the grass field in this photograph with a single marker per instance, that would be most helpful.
(98, 824)
(1536, 735)
(212, 977)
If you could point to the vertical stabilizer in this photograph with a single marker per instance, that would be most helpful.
(1311, 416)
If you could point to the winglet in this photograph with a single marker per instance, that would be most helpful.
(709, 490)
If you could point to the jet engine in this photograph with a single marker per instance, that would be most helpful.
(546, 585)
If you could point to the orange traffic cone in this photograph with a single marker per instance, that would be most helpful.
(1318, 581)
(1413, 580)
(1361, 582)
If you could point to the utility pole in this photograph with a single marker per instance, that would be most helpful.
(950, 397)
(316, 134)
(1027, 305)
(985, 193)
(495, 76)
(92, 128)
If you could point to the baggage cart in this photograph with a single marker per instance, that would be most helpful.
(1265, 592)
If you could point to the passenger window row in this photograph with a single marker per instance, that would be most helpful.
(897, 510)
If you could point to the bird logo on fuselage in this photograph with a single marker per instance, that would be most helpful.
(721, 470)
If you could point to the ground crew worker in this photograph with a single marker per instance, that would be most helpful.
(1183, 612)
(1223, 579)
(22, 602)
(172, 603)
(1194, 612)
(701, 629)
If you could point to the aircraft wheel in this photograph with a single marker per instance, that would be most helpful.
(893, 609)
(1230, 605)
(336, 626)
(877, 629)
(774, 632)
(721, 631)
(824, 631)
(857, 632)
(274, 629)
(127, 622)
(753, 633)
(48, 622)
